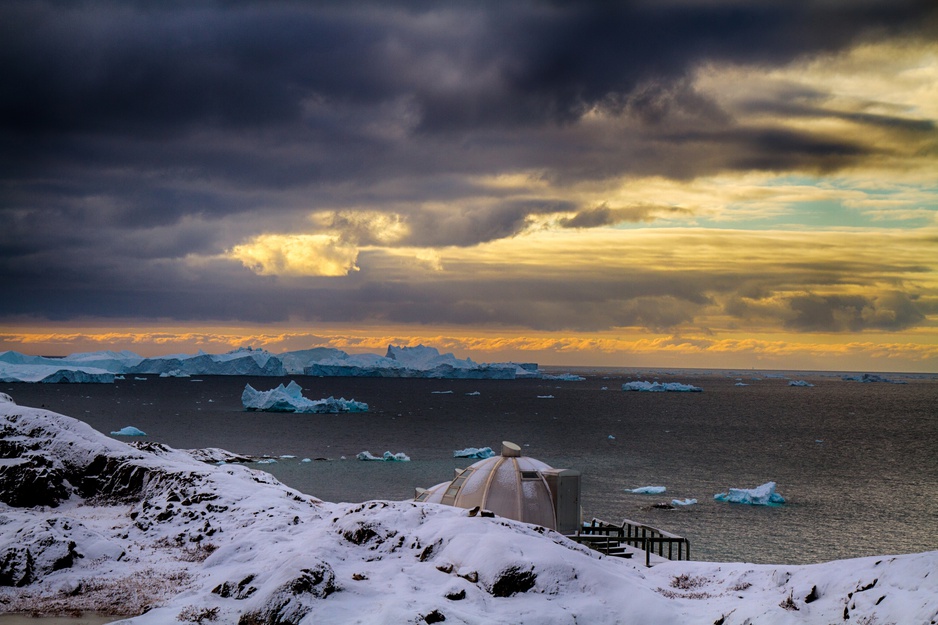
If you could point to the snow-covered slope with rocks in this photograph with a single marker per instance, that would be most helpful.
(155, 534)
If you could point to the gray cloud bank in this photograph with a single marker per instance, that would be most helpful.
(134, 135)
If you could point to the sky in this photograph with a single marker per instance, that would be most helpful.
(674, 183)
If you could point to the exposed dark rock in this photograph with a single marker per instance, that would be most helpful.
(512, 581)
(812, 596)
(239, 590)
(434, 617)
(291, 602)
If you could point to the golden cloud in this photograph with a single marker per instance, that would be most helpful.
(296, 255)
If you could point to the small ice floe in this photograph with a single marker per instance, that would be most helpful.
(871, 377)
(799, 383)
(267, 461)
(741, 384)
(140, 379)
(441, 392)
(387, 457)
(545, 396)
(473, 393)
(611, 437)
(129, 431)
(648, 490)
(287, 456)
(661, 387)
(764, 495)
(683, 502)
(306, 460)
(175, 373)
(119, 377)
(564, 377)
(479, 453)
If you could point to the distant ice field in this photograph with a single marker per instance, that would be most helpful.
(856, 462)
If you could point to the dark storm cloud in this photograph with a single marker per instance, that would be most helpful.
(604, 215)
(136, 134)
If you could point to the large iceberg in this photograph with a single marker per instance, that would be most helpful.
(412, 362)
(290, 399)
(659, 387)
(398, 362)
(764, 495)
(479, 453)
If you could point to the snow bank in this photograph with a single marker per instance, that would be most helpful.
(89, 523)
(764, 495)
(290, 399)
(659, 387)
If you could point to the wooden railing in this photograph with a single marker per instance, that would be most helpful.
(608, 538)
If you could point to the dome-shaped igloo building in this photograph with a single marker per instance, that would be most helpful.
(516, 487)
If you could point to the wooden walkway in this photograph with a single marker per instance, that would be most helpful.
(614, 540)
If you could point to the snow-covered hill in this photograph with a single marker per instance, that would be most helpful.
(153, 533)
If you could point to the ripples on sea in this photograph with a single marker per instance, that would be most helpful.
(857, 462)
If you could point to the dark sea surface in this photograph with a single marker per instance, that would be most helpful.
(857, 462)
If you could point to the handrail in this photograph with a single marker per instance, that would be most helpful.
(634, 534)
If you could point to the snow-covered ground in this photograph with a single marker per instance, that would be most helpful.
(399, 362)
(91, 523)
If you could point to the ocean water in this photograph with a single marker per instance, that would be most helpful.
(857, 463)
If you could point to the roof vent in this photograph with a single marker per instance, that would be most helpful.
(510, 450)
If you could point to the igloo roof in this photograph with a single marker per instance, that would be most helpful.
(510, 485)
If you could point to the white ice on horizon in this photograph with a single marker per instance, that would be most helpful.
(763, 495)
(234, 543)
(404, 362)
(800, 383)
(660, 387)
(290, 399)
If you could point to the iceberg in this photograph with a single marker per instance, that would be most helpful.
(683, 502)
(129, 431)
(290, 399)
(175, 373)
(764, 495)
(648, 490)
(658, 387)
(799, 383)
(563, 377)
(387, 457)
(479, 453)
(871, 377)
(398, 362)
